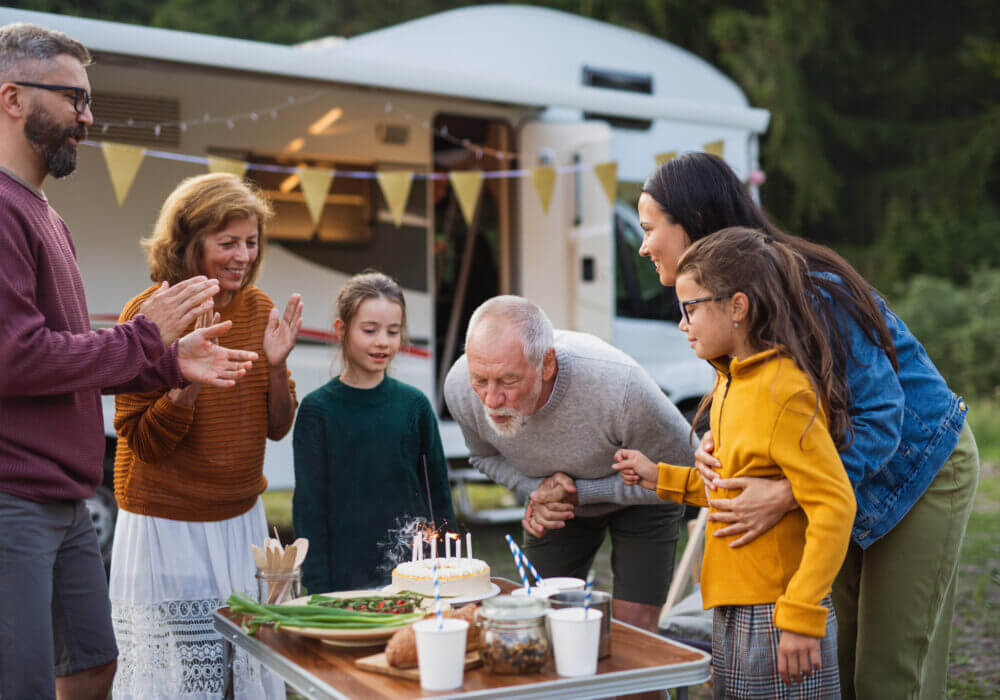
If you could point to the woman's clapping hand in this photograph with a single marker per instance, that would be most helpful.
(280, 334)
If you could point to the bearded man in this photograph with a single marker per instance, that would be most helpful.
(55, 617)
(543, 413)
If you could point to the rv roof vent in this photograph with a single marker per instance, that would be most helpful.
(610, 79)
(117, 109)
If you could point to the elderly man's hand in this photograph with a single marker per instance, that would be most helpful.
(558, 488)
(529, 523)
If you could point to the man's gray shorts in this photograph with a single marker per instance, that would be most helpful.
(643, 540)
(55, 616)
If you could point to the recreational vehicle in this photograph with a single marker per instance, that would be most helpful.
(500, 89)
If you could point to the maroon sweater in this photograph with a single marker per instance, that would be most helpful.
(53, 367)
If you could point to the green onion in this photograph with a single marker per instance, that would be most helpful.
(313, 616)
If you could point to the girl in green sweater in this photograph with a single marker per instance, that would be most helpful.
(367, 447)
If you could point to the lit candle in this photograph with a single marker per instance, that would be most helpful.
(447, 545)
(468, 545)
(458, 547)
(416, 547)
(434, 546)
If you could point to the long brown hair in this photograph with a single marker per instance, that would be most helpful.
(366, 285)
(781, 312)
(703, 195)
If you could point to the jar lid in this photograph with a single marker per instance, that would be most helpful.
(506, 607)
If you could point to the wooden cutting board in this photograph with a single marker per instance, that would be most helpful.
(377, 663)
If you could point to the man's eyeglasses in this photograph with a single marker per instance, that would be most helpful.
(81, 98)
(691, 302)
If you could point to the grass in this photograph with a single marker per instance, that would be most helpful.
(974, 668)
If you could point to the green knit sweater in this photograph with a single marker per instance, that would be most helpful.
(359, 475)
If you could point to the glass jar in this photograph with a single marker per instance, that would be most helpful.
(514, 639)
(275, 587)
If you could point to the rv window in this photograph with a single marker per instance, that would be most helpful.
(639, 293)
(619, 80)
(348, 214)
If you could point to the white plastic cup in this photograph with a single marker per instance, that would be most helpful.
(564, 583)
(575, 637)
(441, 652)
(540, 592)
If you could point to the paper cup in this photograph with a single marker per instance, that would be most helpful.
(441, 652)
(541, 592)
(564, 583)
(575, 636)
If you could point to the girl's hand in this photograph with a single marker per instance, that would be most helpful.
(280, 335)
(762, 503)
(635, 463)
(798, 657)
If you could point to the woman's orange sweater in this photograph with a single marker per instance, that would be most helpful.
(203, 463)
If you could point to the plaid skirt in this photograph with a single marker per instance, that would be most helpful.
(745, 656)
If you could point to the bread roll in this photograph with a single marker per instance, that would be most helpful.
(401, 651)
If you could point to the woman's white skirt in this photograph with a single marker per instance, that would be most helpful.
(167, 579)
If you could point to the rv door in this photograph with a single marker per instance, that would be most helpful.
(565, 254)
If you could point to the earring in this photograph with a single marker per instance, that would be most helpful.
(736, 324)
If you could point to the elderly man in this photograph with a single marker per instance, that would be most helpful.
(55, 617)
(543, 413)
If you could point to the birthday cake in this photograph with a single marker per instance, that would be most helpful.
(456, 576)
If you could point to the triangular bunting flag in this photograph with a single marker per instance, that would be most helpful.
(467, 184)
(396, 190)
(607, 175)
(123, 164)
(716, 148)
(226, 165)
(315, 183)
(544, 179)
(662, 158)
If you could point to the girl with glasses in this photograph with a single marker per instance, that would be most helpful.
(777, 411)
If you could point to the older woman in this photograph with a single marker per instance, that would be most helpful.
(189, 464)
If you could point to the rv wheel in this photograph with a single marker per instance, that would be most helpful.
(103, 513)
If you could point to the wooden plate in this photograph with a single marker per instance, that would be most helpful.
(352, 638)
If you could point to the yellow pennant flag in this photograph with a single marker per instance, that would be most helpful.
(396, 190)
(662, 158)
(226, 165)
(315, 183)
(467, 184)
(544, 179)
(123, 163)
(607, 175)
(716, 148)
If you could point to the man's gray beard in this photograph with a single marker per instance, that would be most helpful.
(51, 142)
(518, 418)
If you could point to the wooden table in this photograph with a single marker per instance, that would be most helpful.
(639, 661)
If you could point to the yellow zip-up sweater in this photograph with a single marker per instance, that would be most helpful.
(763, 426)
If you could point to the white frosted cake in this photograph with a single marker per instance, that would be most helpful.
(456, 576)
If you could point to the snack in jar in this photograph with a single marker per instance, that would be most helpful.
(514, 639)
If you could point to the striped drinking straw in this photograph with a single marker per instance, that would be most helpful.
(516, 553)
(586, 595)
(437, 596)
(532, 569)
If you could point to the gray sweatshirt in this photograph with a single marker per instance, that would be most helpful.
(602, 401)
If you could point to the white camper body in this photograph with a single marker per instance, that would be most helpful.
(551, 87)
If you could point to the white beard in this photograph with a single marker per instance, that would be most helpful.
(518, 418)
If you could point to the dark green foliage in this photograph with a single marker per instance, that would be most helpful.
(959, 326)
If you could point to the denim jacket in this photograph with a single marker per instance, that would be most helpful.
(906, 424)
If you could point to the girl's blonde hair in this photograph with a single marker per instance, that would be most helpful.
(782, 311)
(198, 207)
(366, 285)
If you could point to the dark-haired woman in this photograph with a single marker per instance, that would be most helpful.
(910, 455)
